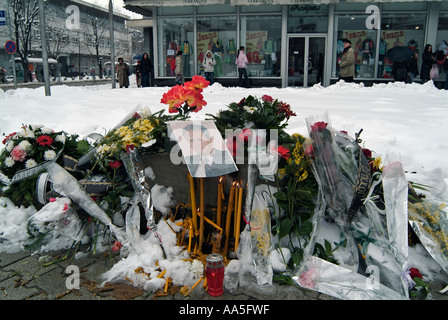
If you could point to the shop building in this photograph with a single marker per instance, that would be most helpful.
(288, 42)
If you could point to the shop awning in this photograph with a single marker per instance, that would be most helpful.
(171, 3)
(284, 2)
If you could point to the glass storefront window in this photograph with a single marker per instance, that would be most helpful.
(307, 19)
(217, 34)
(400, 29)
(353, 27)
(175, 34)
(261, 37)
(442, 43)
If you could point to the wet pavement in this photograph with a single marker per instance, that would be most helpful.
(30, 276)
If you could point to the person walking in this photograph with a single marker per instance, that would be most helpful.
(427, 62)
(146, 67)
(241, 62)
(122, 73)
(412, 68)
(209, 63)
(178, 71)
(138, 75)
(347, 62)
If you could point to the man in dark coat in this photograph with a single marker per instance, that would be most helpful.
(146, 67)
(427, 62)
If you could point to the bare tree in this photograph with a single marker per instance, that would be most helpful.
(99, 36)
(24, 16)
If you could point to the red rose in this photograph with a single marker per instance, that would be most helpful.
(44, 141)
(117, 246)
(267, 98)
(367, 153)
(319, 126)
(414, 273)
(129, 148)
(115, 164)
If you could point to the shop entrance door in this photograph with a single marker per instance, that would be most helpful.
(306, 60)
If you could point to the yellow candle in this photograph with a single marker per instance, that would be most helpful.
(238, 218)
(228, 218)
(202, 210)
(161, 274)
(219, 205)
(210, 222)
(235, 211)
(193, 202)
(190, 236)
(197, 282)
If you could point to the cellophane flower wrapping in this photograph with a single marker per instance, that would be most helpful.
(335, 169)
(369, 264)
(429, 220)
(260, 225)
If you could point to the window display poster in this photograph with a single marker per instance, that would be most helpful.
(393, 39)
(205, 41)
(255, 41)
(362, 43)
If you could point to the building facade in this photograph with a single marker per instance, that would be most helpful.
(75, 48)
(289, 42)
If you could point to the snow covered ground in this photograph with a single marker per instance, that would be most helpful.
(409, 119)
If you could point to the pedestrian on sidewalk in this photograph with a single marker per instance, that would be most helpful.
(241, 62)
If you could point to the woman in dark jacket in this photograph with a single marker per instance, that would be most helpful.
(145, 69)
(412, 68)
(427, 61)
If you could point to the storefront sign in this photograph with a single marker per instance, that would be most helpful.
(172, 3)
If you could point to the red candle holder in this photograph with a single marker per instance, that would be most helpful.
(214, 272)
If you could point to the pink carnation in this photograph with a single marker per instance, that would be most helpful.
(18, 154)
(306, 279)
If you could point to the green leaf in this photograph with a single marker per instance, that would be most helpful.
(285, 227)
(280, 195)
(419, 282)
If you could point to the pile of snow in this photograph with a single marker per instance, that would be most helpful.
(409, 119)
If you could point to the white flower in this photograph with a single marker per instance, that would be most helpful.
(27, 133)
(9, 146)
(9, 162)
(34, 127)
(25, 145)
(46, 130)
(60, 138)
(30, 163)
(144, 112)
(249, 109)
(49, 155)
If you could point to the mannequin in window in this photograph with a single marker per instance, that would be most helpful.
(170, 56)
(218, 52)
(187, 49)
(269, 48)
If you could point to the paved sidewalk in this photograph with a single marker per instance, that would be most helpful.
(23, 276)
